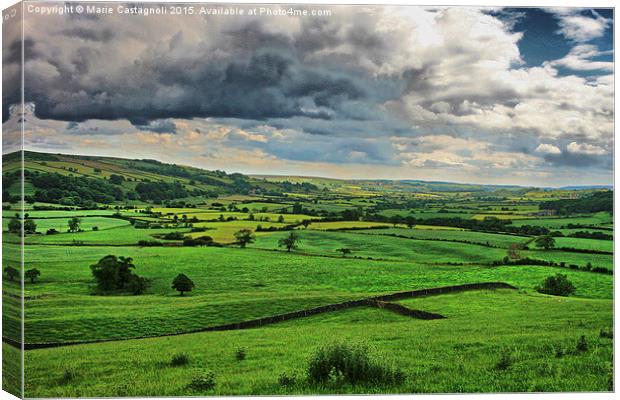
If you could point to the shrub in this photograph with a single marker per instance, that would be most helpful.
(557, 285)
(607, 334)
(51, 231)
(504, 362)
(240, 355)
(286, 380)
(67, 377)
(199, 241)
(203, 382)
(173, 236)
(559, 351)
(582, 344)
(179, 360)
(95, 228)
(349, 363)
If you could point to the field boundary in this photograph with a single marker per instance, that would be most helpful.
(381, 301)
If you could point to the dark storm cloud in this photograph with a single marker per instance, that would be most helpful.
(246, 70)
(266, 85)
(159, 126)
(577, 160)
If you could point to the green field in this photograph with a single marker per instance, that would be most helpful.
(436, 360)
(349, 244)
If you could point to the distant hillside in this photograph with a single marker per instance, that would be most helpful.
(83, 180)
(386, 185)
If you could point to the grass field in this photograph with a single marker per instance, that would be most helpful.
(508, 340)
(231, 286)
(432, 357)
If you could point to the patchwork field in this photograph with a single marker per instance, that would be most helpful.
(256, 257)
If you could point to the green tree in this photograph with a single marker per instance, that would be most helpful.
(114, 273)
(305, 223)
(557, 285)
(30, 226)
(244, 237)
(15, 225)
(182, 284)
(74, 224)
(32, 274)
(11, 273)
(344, 251)
(290, 241)
(116, 179)
(281, 218)
(546, 242)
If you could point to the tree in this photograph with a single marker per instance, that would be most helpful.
(182, 284)
(557, 285)
(244, 237)
(15, 225)
(305, 223)
(32, 274)
(11, 273)
(290, 242)
(113, 273)
(30, 226)
(116, 179)
(281, 218)
(410, 221)
(74, 224)
(546, 242)
(344, 251)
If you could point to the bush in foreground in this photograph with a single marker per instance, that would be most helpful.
(203, 382)
(557, 285)
(343, 363)
(179, 360)
(286, 380)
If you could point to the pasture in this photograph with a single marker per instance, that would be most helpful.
(349, 242)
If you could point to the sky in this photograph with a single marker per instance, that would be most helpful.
(481, 95)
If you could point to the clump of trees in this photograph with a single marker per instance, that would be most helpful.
(15, 225)
(74, 191)
(182, 284)
(595, 202)
(244, 237)
(290, 241)
(546, 242)
(116, 275)
(557, 285)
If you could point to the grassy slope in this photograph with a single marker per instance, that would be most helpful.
(232, 285)
(457, 354)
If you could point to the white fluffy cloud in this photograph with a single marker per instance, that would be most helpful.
(546, 148)
(576, 26)
(585, 148)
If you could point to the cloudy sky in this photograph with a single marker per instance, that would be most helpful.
(511, 96)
